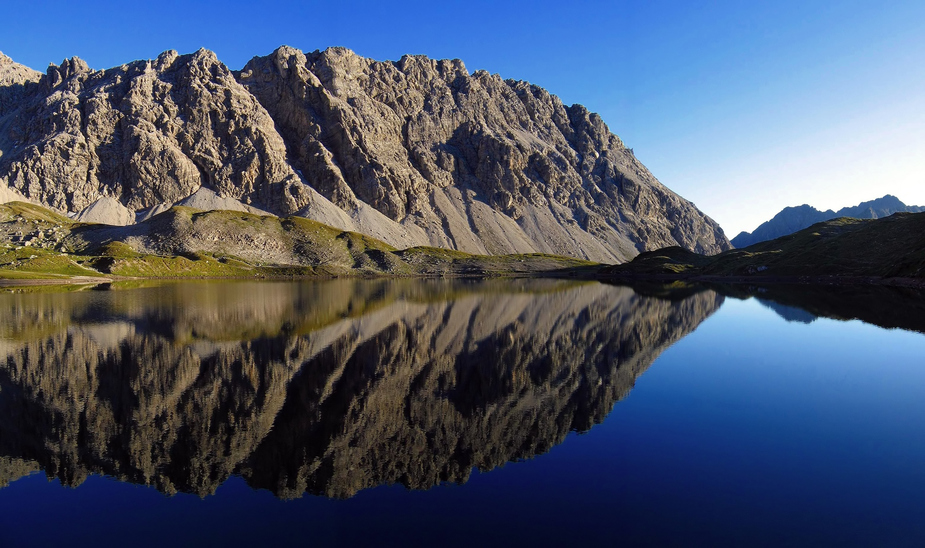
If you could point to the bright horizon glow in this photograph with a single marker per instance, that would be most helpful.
(744, 108)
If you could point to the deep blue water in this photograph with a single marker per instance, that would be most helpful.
(750, 430)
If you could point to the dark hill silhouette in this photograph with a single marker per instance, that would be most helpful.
(792, 219)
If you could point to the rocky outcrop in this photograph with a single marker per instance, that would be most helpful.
(15, 80)
(326, 388)
(145, 133)
(14, 74)
(473, 162)
(793, 219)
(414, 152)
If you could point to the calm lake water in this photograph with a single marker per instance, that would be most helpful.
(505, 413)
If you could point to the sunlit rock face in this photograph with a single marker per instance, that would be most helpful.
(413, 152)
(144, 134)
(324, 388)
(472, 161)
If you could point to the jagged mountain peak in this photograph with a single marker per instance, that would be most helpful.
(56, 75)
(283, 53)
(145, 134)
(13, 73)
(15, 81)
(72, 64)
(887, 201)
(166, 58)
(414, 152)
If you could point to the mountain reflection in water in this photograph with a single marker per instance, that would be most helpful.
(326, 388)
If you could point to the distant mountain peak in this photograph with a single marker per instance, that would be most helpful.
(794, 218)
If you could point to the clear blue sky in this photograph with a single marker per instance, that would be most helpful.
(743, 107)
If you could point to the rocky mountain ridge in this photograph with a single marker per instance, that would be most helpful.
(793, 219)
(413, 152)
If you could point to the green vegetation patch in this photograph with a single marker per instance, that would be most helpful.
(23, 211)
(152, 266)
(30, 262)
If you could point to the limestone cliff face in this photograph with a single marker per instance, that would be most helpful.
(299, 389)
(15, 79)
(145, 133)
(474, 162)
(16, 83)
(412, 152)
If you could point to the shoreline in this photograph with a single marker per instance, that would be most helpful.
(74, 280)
(573, 274)
(829, 280)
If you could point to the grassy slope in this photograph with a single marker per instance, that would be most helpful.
(18, 261)
(892, 247)
(185, 242)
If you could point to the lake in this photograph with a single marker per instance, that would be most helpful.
(461, 413)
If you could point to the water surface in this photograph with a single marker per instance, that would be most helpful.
(460, 413)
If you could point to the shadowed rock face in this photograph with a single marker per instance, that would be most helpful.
(319, 388)
(15, 79)
(416, 152)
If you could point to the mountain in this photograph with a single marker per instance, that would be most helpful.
(413, 152)
(843, 250)
(792, 219)
(327, 388)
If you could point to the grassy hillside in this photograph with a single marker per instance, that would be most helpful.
(36, 243)
(839, 249)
